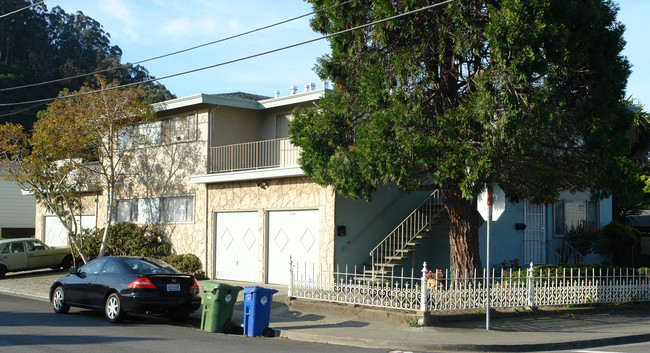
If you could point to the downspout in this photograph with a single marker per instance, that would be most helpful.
(207, 234)
(208, 247)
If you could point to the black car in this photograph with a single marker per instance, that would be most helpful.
(118, 285)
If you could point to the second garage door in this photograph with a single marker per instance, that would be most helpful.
(295, 234)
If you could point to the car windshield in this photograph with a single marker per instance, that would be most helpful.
(147, 266)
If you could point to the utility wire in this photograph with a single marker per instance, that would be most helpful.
(238, 59)
(22, 110)
(176, 52)
(24, 8)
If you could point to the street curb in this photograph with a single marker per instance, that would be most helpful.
(463, 347)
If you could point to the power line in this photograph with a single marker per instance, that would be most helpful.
(176, 52)
(22, 110)
(24, 8)
(238, 59)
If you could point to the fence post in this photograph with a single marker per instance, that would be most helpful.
(531, 286)
(290, 290)
(424, 317)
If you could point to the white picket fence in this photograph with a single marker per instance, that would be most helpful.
(508, 288)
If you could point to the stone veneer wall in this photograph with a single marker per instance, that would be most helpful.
(280, 194)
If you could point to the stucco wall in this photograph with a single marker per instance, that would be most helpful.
(367, 223)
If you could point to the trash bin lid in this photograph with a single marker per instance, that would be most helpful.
(210, 286)
(258, 289)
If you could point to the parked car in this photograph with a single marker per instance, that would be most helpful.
(28, 253)
(123, 284)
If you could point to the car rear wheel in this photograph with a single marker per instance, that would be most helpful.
(58, 301)
(3, 271)
(66, 263)
(113, 308)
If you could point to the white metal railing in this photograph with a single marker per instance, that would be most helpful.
(567, 254)
(393, 245)
(254, 155)
(468, 291)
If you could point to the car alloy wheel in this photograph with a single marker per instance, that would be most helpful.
(113, 308)
(58, 301)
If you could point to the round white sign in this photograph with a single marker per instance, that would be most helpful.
(228, 298)
(264, 300)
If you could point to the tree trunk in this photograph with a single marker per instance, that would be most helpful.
(463, 231)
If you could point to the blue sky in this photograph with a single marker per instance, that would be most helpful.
(148, 28)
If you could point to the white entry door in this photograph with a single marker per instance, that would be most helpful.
(291, 234)
(236, 241)
(55, 233)
(535, 234)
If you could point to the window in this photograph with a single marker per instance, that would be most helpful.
(156, 209)
(34, 245)
(148, 210)
(149, 133)
(176, 129)
(573, 211)
(127, 211)
(92, 268)
(13, 248)
(179, 128)
(177, 209)
(109, 267)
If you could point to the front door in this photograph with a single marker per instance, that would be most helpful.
(535, 234)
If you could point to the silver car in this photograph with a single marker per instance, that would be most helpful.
(28, 253)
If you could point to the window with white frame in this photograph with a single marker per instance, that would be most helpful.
(156, 209)
(573, 211)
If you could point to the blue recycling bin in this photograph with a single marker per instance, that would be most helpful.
(257, 310)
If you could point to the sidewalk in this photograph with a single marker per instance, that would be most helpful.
(340, 324)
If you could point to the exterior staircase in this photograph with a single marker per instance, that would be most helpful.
(403, 240)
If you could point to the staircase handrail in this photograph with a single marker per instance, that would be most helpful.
(408, 229)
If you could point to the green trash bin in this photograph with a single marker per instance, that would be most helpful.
(218, 303)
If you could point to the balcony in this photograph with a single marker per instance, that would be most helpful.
(256, 155)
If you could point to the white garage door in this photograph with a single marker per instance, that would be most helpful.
(55, 233)
(295, 234)
(237, 246)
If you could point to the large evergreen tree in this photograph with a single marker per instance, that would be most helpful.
(37, 45)
(526, 94)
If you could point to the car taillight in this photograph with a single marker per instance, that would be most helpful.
(141, 283)
(195, 287)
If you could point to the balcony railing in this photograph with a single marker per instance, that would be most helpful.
(254, 155)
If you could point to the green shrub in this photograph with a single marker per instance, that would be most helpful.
(187, 263)
(127, 239)
(622, 240)
(582, 238)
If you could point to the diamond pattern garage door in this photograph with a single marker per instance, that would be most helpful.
(236, 246)
(55, 233)
(295, 234)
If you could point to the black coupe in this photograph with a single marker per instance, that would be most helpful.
(118, 285)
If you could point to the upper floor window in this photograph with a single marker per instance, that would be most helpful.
(574, 211)
(179, 128)
(176, 129)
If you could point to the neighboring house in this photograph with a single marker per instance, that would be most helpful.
(16, 209)
(219, 172)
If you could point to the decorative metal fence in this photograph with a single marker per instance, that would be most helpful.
(508, 288)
